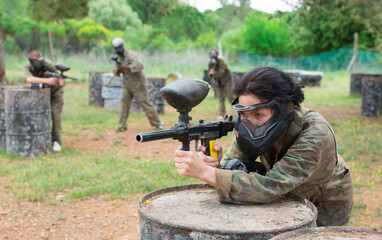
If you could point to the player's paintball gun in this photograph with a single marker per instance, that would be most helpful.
(62, 68)
(183, 95)
(115, 59)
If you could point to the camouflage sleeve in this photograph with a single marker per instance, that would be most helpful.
(295, 168)
(220, 70)
(135, 63)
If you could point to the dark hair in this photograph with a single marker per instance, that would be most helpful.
(268, 83)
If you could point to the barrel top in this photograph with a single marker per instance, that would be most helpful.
(337, 233)
(197, 206)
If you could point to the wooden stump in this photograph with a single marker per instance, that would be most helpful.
(27, 120)
(371, 96)
(95, 89)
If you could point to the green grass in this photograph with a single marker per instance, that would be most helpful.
(78, 174)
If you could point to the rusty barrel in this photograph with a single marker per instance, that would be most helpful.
(2, 112)
(2, 117)
(311, 78)
(337, 233)
(27, 120)
(371, 96)
(95, 89)
(356, 82)
(194, 212)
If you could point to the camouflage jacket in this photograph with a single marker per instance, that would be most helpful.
(134, 76)
(50, 67)
(306, 164)
(222, 74)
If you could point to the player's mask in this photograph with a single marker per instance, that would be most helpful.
(120, 50)
(38, 64)
(253, 140)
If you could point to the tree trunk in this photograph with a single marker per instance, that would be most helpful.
(2, 57)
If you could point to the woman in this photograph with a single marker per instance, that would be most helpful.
(296, 146)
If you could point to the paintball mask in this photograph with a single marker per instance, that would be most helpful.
(118, 46)
(38, 64)
(253, 140)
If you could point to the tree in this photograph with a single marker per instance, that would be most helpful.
(265, 35)
(2, 56)
(151, 11)
(51, 10)
(186, 22)
(323, 25)
(114, 14)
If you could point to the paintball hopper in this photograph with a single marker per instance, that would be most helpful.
(184, 94)
(62, 67)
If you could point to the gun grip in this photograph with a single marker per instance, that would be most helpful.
(209, 145)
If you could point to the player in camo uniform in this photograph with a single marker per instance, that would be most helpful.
(34, 73)
(134, 85)
(222, 80)
(296, 147)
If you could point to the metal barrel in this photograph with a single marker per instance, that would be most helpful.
(27, 120)
(334, 232)
(191, 212)
(157, 135)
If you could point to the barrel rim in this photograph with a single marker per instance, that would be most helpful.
(348, 229)
(147, 196)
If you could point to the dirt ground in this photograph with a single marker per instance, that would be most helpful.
(97, 218)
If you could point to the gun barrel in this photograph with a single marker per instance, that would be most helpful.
(157, 135)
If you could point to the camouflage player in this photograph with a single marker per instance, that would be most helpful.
(134, 85)
(296, 146)
(34, 73)
(218, 69)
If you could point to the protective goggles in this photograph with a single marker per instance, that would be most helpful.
(236, 106)
(36, 61)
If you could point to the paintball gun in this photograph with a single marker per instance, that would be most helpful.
(115, 59)
(183, 95)
(62, 68)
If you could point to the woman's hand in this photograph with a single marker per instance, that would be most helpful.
(196, 165)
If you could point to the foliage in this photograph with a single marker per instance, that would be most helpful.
(321, 26)
(51, 10)
(158, 40)
(14, 8)
(113, 14)
(265, 35)
(207, 39)
(232, 40)
(186, 22)
(151, 11)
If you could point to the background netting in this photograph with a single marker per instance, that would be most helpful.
(335, 60)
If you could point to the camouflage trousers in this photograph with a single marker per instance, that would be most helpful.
(56, 104)
(142, 99)
(223, 91)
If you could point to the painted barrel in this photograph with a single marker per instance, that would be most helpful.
(3, 88)
(356, 82)
(111, 90)
(337, 233)
(311, 78)
(154, 85)
(194, 212)
(237, 76)
(27, 120)
(371, 96)
(95, 89)
(294, 74)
